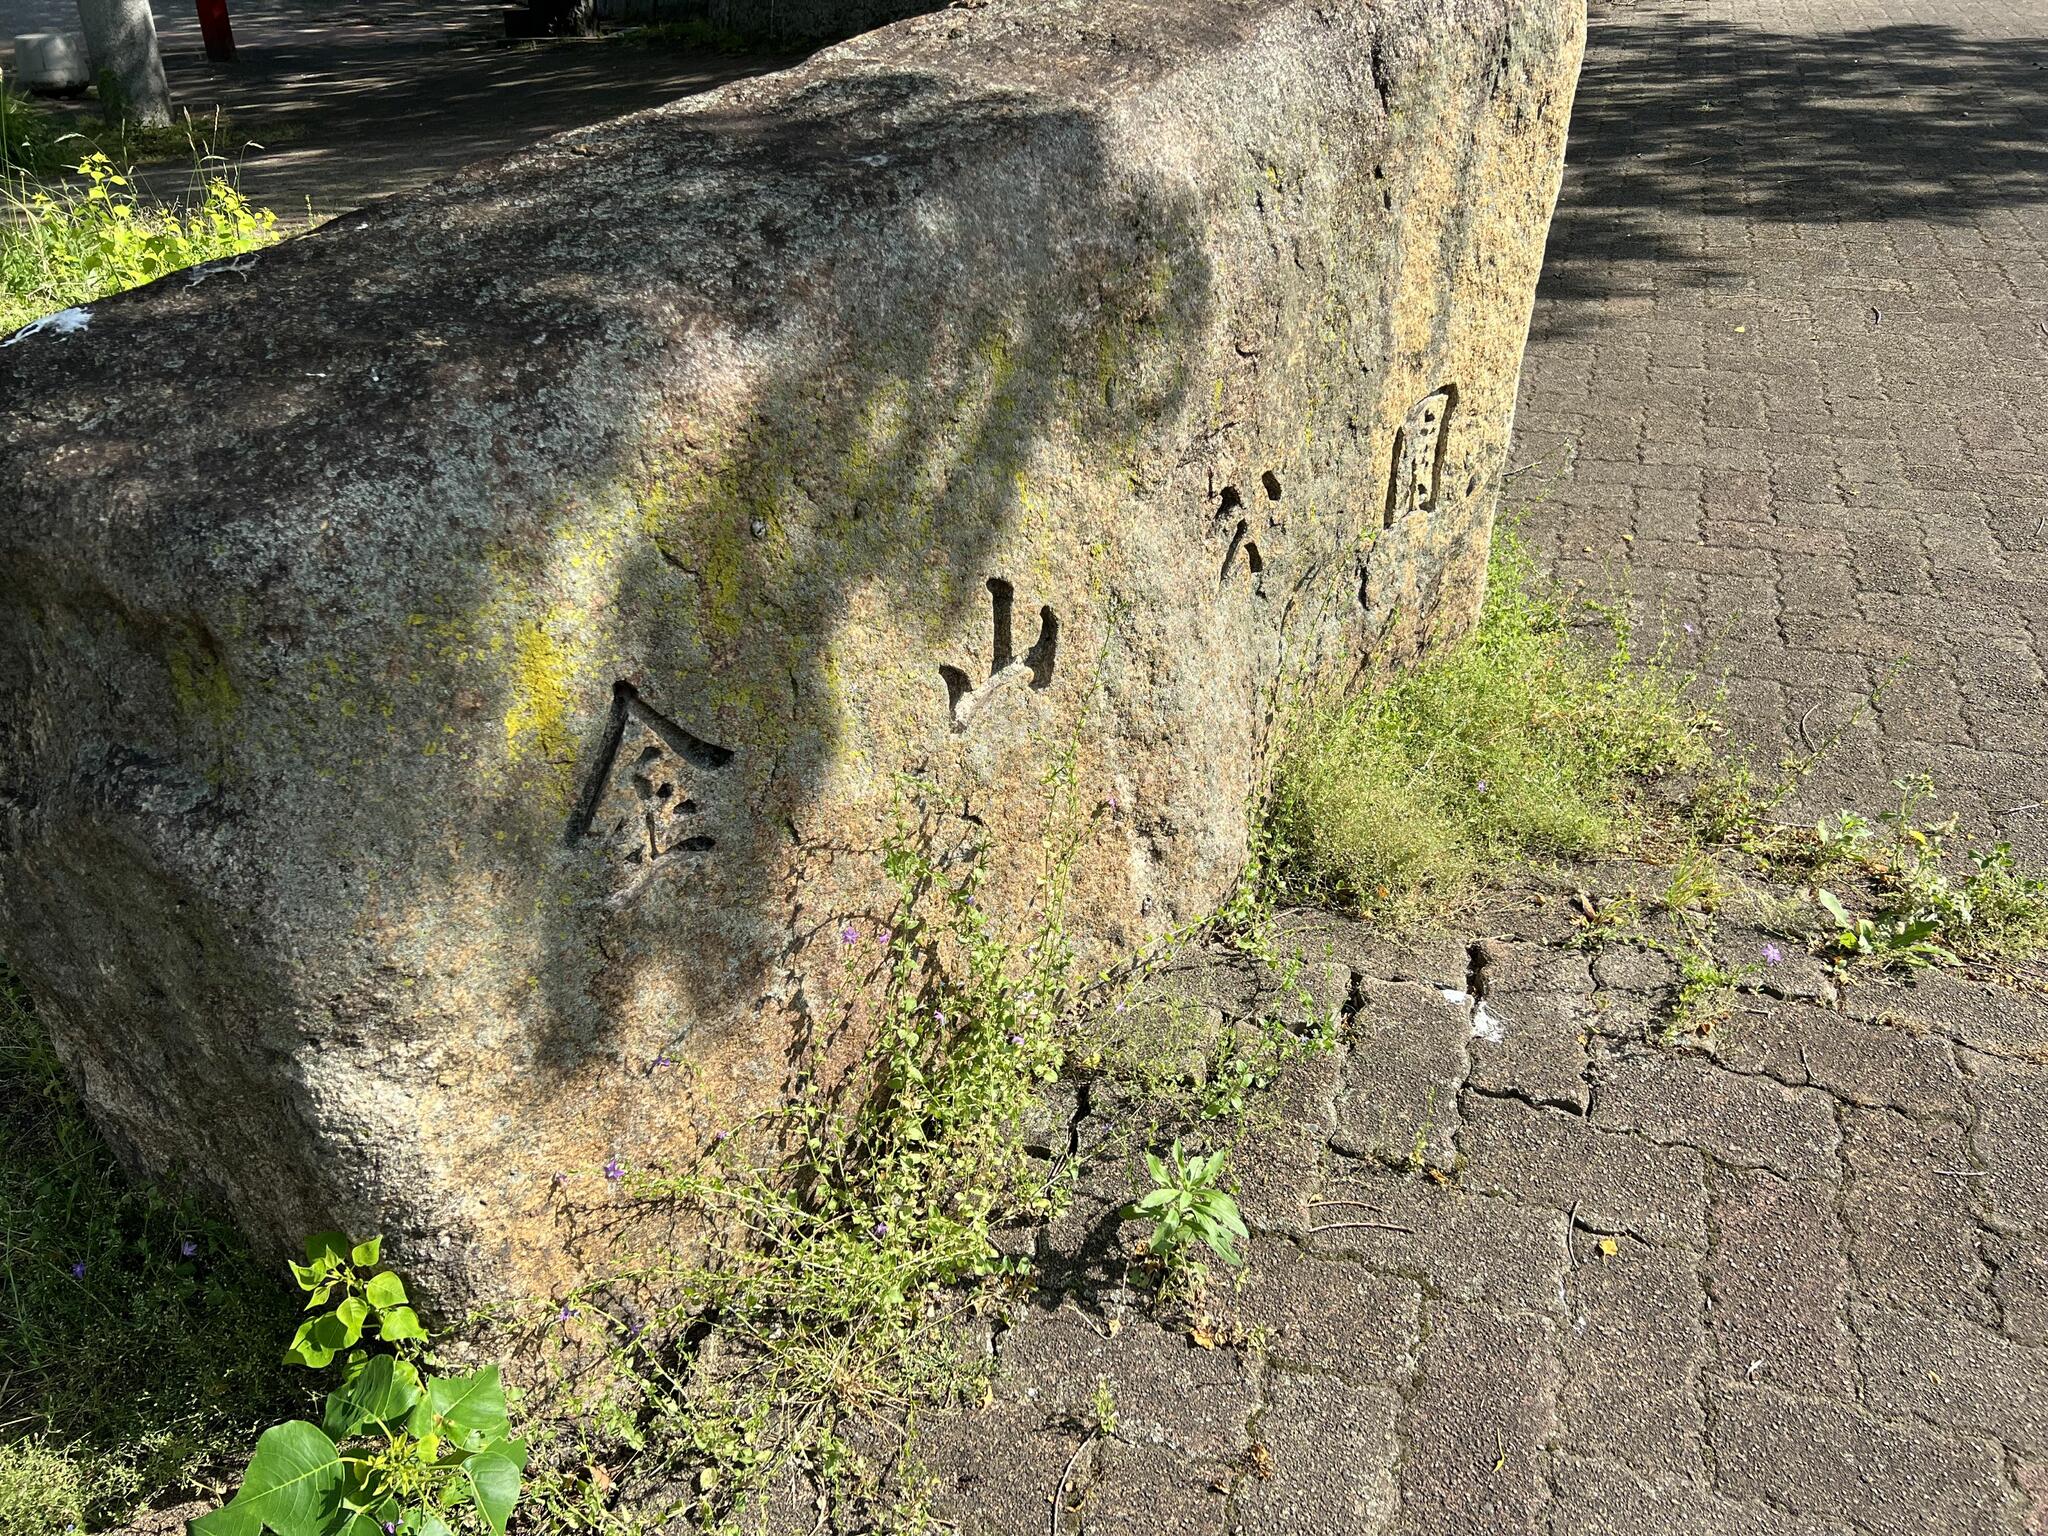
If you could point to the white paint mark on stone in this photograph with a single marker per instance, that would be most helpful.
(66, 322)
(1456, 998)
(1489, 1027)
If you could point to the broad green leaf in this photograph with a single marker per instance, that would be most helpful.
(306, 1348)
(324, 1250)
(1835, 908)
(381, 1393)
(470, 1410)
(228, 1520)
(292, 1481)
(385, 1290)
(493, 1479)
(352, 1314)
(396, 1323)
(366, 1253)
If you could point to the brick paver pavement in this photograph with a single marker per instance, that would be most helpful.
(1791, 353)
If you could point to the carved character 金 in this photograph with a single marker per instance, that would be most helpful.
(646, 797)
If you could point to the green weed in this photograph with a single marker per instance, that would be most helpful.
(31, 143)
(136, 1335)
(67, 244)
(1521, 740)
(1186, 1206)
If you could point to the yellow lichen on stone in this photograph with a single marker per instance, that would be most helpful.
(537, 722)
(202, 689)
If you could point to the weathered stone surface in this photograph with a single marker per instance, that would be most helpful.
(1594, 1497)
(1908, 1203)
(469, 657)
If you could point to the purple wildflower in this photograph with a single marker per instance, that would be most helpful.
(78, 1270)
(881, 1229)
(1015, 1038)
(849, 934)
(1773, 954)
(1690, 630)
(1481, 786)
(390, 1528)
(939, 1017)
(560, 1179)
(188, 1249)
(567, 1312)
(613, 1170)
(663, 1061)
(718, 1138)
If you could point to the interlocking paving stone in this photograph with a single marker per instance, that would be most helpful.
(1748, 1122)
(2010, 1139)
(1617, 1181)
(1409, 1057)
(1462, 1246)
(1329, 1315)
(1908, 1203)
(1634, 1345)
(1332, 1449)
(1817, 1456)
(1779, 1278)
(1168, 1390)
(1477, 1423)
(1954, 1374)
(1145, 1490)
(1595, 1497)
(1870, 1065)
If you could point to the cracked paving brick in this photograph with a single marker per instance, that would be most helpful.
(1370, 950)
(1478, 1423)
(1407, 1060)
(1633, 1347)
(1146, 1490)
(1749, 1122)
(1329, 1315)
(1617, 1181)
(1815, 1456)
(1955, 1374)
(1465, 1247)
(1010, 1494)
(2020, 1282)
(1594, 1497)
(1531, 1044)
(1907, 1204)
(1168, 1390)
(2003, 1023)
(2010, 1138)
(1779, 1279)
(1278, 1169)
(1866, 1064)
(1332, 1448)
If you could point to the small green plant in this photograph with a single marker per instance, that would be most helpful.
(397, 1450)
(346, 1300)
(65, 245)
(41, 1490)
(1706, 988)
(1896, 938)
(1695, 884)
(1102, 1409)
(1187, 1207)
(30, 143)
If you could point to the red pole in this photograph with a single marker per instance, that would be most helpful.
(214, 28)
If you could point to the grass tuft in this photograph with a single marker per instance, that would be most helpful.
(1520, 740)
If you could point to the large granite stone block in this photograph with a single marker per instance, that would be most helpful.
(469, 656)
